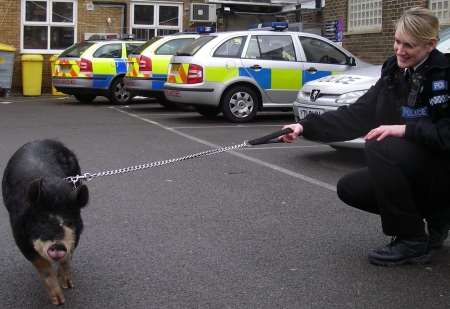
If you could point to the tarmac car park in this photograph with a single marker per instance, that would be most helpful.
(148, 65)
(240, 73)
(95, 68)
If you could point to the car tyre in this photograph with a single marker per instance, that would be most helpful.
(85, 98)
(207, 111)
(240, 104)
(118, 94)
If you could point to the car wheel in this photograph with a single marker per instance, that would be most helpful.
(207, 111)
(118, 94)
(240, 104)
(85, 98)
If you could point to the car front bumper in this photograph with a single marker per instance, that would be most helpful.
(302, 109)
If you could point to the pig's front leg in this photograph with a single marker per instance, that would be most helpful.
(65, 274)
(48, 276)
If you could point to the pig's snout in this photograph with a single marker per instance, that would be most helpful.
(57, 252)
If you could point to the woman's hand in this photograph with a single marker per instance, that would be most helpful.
(297, 129)
(384, 131)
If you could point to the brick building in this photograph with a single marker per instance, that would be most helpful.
(48, 26)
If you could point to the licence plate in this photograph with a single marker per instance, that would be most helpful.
(303, 112)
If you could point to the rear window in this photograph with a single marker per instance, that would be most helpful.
(192, 48)
(171, 47)
(141, 48)
(75, 51)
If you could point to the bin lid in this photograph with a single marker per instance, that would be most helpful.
(32, 57)
(4, 47)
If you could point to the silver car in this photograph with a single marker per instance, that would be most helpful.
(329, 93)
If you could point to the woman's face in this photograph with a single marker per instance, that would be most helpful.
(409, 51)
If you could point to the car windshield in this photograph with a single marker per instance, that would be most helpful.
(75, 51)
(444, 41)
(191, 49)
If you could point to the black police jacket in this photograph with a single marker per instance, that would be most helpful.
(422, 103)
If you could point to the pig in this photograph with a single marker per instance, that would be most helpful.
(45, 210)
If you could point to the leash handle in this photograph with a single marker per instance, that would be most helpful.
(267, 138)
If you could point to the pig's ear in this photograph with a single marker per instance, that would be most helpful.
(82, 196)
(35, 191)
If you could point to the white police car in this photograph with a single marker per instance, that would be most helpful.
(239, 73)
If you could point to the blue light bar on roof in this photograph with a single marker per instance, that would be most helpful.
(274, 25)
(205, 29)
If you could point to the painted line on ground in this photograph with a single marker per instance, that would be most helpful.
(287, 147)
(229, 126)
(237, 154)
(5, 102)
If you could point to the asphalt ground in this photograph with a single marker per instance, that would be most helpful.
(255, 228)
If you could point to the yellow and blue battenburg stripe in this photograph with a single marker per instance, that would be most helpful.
(266, 78)
(102, 74)
(160, 65)
(276, 78)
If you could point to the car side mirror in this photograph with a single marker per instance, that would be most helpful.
(351, 61)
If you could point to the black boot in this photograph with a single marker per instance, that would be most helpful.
(437, 235)
(402, 251)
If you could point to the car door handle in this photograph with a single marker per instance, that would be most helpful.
(256, 67)
(312, 70)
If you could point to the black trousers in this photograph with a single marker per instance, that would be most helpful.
(404, 183)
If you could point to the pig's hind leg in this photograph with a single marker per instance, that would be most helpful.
(48, 275)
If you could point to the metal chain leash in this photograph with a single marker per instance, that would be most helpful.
(257, 141)
(89, 176)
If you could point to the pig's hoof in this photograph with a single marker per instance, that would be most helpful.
(66, 280)
(57, 297)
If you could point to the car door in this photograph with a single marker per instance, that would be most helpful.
(321, 58)
(271, 60)
(108, 61)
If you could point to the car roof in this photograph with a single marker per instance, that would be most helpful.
(115, 41)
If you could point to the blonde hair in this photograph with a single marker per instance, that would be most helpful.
(419, 23)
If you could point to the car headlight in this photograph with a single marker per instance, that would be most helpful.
(302, 95)
(350, 97)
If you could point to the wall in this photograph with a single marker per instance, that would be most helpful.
(371, 47)
(10, 34)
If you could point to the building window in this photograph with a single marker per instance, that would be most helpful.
(154, 19)
(364, 16)
(48, 26)
(441, 9)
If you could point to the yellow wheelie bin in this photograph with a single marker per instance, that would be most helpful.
(52, 67)
(32, 74)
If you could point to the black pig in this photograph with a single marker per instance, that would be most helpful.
(44, 209)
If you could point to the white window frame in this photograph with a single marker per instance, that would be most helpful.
(364, 16)
(155, 26)
(48, 23)
(441, 8)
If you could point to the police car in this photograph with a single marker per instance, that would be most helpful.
(95, 68)
(240, 73)
(148, 65)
